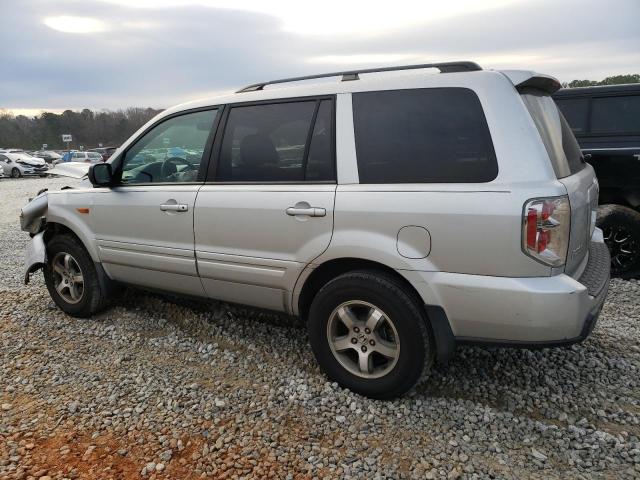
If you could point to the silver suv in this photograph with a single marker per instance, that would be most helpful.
(398, 215)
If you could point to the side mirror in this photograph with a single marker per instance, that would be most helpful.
(100, 175)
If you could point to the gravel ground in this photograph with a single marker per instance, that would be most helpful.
(165, 388)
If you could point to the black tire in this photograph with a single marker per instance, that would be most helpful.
(621, 228)
(15, 173)
(94, 297)
(416, 347)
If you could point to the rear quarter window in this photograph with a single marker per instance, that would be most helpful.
(433, 135)
(559, 141)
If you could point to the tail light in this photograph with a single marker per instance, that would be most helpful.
(545, 230)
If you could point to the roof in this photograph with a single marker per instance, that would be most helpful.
(367, 82)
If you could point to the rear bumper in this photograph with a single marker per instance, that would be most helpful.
(528, 312)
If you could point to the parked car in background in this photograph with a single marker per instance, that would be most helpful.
(397, 216)
(49, 156)
(77, 156)
(606, 122)
(17, 165)
(23, 153)
(106, 152)
(12, 150)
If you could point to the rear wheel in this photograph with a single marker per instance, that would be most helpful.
(369, 334)
(72, 278)
(621, 228)
(15, 173)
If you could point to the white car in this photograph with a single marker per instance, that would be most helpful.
(88, 157)
(21, 164)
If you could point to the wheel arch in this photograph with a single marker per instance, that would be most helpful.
(58, 228)
(312, 279)
(610, 196)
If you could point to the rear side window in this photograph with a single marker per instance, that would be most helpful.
(615, 114)
(434, 135)
(279, 142)
(576, 112)
(558, 139)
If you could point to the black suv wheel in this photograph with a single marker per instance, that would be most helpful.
(621, 228)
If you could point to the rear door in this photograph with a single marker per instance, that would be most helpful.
(267, 208)
(571, 170)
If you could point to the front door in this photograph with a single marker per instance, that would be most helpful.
(268, 211)
(144, 225)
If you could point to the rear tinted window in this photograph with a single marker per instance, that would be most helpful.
(576, 111)
(558, 139)
(615, 114)
(435, 135)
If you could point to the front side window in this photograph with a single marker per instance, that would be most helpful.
(170, 152)
(432, 135)
(281, 142)
(620, 114)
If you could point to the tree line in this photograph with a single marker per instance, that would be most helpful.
(88, 128)
(613, 80)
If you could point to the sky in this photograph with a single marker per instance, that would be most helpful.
(110, 54)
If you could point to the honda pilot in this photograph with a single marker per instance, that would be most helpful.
(397, 215)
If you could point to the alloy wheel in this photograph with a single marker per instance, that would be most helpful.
(67, 277)
(623, 247)
(363, 339)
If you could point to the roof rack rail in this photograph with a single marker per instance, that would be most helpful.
(446, 67)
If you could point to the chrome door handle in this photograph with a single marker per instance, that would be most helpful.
(310, 211)
(174, 207)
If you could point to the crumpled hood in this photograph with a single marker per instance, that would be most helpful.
(35, 161)
(70, 169)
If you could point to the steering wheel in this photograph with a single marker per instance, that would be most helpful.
(169, 166)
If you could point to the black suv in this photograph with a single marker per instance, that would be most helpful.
(606, 123)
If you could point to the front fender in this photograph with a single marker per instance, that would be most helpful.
(32, 213)
(36, 256)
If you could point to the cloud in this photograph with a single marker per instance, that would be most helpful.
(336, 16)
(165, 52)
(74, 25)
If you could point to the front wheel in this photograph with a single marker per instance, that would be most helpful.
(15, 173)
(621, 228)
(370, 335)
(72, 278)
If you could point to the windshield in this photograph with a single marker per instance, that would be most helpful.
(558, 139)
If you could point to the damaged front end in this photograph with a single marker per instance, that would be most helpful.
(33, 220)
